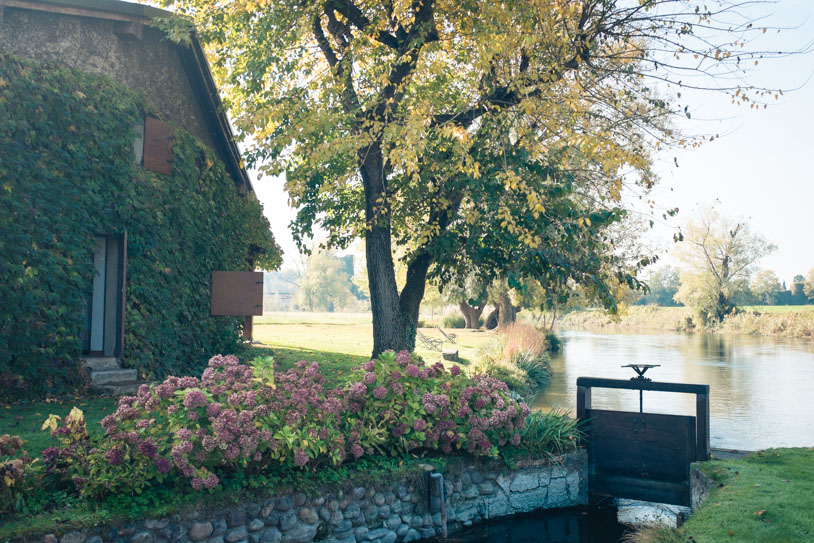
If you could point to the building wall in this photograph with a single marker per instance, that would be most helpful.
(151, 64)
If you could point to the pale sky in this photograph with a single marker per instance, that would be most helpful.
(759, 169)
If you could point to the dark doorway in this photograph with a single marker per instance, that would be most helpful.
(102, 334)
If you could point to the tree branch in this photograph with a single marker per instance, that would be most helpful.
(357, 18)
(322, 41)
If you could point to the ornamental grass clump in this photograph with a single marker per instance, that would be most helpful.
(517, 356)
(551, 434)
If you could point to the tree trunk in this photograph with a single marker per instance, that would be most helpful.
(508, 313)
(492, 319)
(413, 291)
(471, 314)
(388, 324)
(411, 295)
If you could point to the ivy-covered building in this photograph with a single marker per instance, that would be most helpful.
(121, 193)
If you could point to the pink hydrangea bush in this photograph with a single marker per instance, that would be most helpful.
(251, 419)
(229, 420)
(397, 404)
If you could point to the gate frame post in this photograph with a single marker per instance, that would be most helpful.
(583, 401)
(702, 425)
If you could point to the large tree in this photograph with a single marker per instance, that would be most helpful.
(808, 285)
(326, 285)
(719, 254)
(391, 120)
(765, 286)
(663, 284)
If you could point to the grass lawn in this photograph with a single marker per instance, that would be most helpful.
(765, 497)
(342, 340)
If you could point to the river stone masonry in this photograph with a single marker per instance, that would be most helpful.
(386, 513)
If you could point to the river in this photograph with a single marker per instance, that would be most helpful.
(761, 388)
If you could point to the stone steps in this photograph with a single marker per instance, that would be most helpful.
(99, 363)
(107, 375)
(111, 377)
(123, 389)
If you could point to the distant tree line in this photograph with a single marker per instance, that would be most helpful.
(764, 288)
(325, 283)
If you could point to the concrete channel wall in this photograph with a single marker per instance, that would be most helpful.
(384, 513)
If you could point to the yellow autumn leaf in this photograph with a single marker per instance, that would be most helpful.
(51, 423)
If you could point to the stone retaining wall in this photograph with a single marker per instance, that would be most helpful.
(384, 513)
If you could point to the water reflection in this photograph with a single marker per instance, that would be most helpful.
(560, 526)
(759, 386)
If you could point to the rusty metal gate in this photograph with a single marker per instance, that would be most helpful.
(643, 456)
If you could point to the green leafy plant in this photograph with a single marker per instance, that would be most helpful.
(92, 467)
(13, 464)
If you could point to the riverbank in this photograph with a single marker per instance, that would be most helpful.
(766, 496)
(380, 500)
(785, 321)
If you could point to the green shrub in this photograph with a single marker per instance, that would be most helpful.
(454, 321)
(66, 160)
(518, 357)
(553, 343)
(536, 367)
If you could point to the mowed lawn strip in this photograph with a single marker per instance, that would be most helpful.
(351, 334)
(765, 497)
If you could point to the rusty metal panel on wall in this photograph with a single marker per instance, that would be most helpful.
(237, 293)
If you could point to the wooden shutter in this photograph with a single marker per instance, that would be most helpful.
(237, 293)
(158, 146)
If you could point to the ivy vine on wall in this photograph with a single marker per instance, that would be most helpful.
(67, 175)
